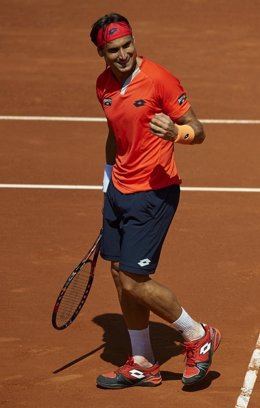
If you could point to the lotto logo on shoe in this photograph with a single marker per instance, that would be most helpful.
(144, 262)
(205, 348)
(137, 374)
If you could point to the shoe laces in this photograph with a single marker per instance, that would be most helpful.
(129, 362)
(190, 352)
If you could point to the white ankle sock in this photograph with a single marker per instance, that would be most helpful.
(189, 328)
(141, 346)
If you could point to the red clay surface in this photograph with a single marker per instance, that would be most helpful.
(211, 256)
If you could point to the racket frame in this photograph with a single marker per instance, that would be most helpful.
(93, 250)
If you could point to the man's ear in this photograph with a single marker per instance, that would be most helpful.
(100, 52)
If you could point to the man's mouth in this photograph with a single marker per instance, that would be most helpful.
(123, 64)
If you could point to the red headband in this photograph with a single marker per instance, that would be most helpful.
(112, 32)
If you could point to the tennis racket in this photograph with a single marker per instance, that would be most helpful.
(76, 289)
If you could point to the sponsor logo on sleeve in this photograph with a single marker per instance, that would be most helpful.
(182, 99)
(107, 101)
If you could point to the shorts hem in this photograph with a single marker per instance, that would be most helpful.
(136, 271)
(109, 258)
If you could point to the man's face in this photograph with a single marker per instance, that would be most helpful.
(120, 55)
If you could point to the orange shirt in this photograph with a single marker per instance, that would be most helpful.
(143, 160)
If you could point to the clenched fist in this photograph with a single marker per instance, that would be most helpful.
(162, 126)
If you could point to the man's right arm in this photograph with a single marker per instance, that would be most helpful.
(110, 159)
(110, 148)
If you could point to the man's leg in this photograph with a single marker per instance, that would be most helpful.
(149, 293)
(135, 313)
(136, 316)
(140, 369)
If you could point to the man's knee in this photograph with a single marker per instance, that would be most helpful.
(131, 283)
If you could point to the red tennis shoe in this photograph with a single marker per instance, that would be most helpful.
(199, 355)
(131, 374)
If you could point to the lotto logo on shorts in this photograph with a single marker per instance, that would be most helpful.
(144, 262)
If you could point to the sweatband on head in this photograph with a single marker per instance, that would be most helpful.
(111, 32)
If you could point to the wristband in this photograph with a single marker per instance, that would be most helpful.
(186, 134)
(107, 176)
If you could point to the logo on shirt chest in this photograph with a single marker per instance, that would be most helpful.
(139, 102)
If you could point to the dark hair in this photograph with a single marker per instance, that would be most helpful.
(105, 21)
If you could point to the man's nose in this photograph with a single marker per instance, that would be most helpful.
(122, 53)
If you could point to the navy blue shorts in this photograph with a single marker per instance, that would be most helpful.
(135, 226)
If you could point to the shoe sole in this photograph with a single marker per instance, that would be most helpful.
(151, 382)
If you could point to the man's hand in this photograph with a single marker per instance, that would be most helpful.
(162, 126)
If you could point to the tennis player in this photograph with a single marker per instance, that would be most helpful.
(147, 112)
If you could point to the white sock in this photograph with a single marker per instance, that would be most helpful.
(141, 346)
(189, 328)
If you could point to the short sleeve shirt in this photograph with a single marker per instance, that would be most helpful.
(144, 161)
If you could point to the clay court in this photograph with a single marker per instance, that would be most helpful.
(211, 256)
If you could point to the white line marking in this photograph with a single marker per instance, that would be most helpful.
(89, 187)
(98, 119)
(53, 118)
(223, 189)
(51, 186)
(250, 378)
(232, 121)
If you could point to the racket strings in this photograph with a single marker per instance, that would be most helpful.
(73, 295)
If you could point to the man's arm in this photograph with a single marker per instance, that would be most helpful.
(186, 130)
(110, 148)
(110, 159)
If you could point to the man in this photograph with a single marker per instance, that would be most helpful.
(147, 113)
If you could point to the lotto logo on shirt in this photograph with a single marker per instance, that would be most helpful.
(139, 103)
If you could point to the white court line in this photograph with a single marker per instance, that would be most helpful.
(54, 118)
(232, 121)
(98, 119)
(223, 189)
(51, 186)
(89, 187)
(250, 378)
